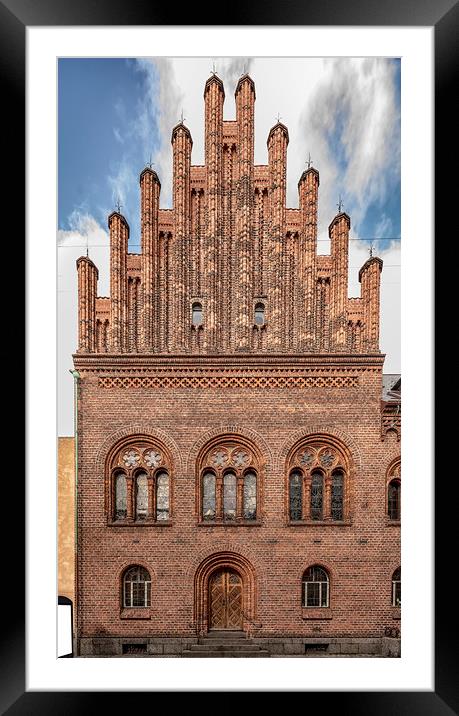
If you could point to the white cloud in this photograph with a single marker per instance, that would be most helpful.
(118, 136)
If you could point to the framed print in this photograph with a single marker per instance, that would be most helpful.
(35, 40)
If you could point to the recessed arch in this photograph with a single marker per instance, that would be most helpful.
(212, 564)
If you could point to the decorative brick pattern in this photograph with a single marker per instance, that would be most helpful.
(236, 381)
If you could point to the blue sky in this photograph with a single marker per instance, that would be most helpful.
(113, 114)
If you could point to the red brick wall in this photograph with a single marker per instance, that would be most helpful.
(360, 557)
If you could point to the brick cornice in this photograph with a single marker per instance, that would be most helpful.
(280, 361)
(368, 263)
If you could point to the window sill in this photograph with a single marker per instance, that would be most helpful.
(136, 613)
(230, 523)
(396, 613)
(140, 523)
(319, 523)
(316, 613)
(392, 523)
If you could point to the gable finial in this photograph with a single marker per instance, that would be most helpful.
(118, 205)
(309, 160)
(151, 162)
(340, 204)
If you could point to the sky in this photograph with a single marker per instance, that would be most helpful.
(116, 115)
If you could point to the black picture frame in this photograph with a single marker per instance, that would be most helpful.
(443, 15)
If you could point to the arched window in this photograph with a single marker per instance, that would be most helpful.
(259, 314)
(162, 496)
(317, 482)
(296, 495)
(337, 495)
(120, 496)
(208, 496)
(229, 496)
(136, 587)
(229, 483)
(317, 495)
(139, 483)
(393, 500)
(250, 496)
(197, 314)
(397, 588)
(394, 492)
(315, 587)
(141, 496)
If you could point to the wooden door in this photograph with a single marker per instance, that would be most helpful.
(225, 600)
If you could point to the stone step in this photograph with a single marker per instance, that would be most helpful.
(220, 646)
(228, 642)
(223, 634)
(226, 654)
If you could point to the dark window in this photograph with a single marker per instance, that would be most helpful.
(315, 587)
(317, 491)
(397, 588)
(250, 496)
(393, 500)
(197, 314)
(137, 588)
(259, 314)
(162, 496)
(141, 496)
(337, 495)
(120, 496)
(208, 496)
(296, 495)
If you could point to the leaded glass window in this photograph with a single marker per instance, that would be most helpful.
(315, 587)
(393, 500)
(162, 496)
(208, 496)
(137, 588)
(120, 496)
(317, 489)
(337, 495)
(229, 496)
(141, 496)
(296, 495)
(397, 588)
(250, 496)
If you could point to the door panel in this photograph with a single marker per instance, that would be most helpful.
(225, 600)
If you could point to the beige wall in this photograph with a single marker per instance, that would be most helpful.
(66, 518)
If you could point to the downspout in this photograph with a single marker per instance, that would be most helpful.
(76, 377)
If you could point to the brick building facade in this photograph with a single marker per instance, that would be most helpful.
(238, 470)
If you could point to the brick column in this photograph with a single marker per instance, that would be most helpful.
(277, 157)
(182, 144)
(119, 236)
(245, 113)
(339, 235)
(308, 190)
(214, 97)
(370, 278)
(150, 188)
(87, 293)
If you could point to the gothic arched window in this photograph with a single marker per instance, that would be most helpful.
(139, 483)
(317, 482)
(136, 587)
(315, 587)
(228, 483)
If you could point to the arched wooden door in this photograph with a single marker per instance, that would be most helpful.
(225, 600)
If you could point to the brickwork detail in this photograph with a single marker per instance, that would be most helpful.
(229, 242)
(222, 381)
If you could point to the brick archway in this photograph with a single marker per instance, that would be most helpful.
(212, 564)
